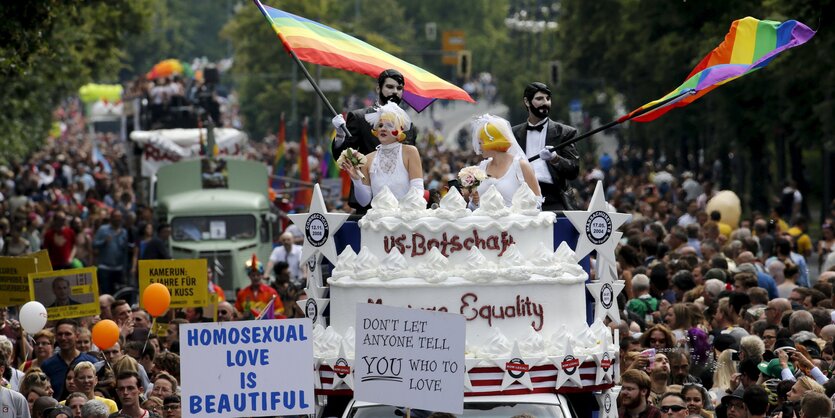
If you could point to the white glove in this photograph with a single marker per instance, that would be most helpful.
(339, 123)
(547, 155)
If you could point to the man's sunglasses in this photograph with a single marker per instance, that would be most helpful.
(674, 408)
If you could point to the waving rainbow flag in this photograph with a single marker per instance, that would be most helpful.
(750, 45)
(319, 44)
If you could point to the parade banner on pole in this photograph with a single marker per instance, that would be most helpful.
(247, 368)
(14, 280)
(187, 280)
(66, 293)
(410, 357)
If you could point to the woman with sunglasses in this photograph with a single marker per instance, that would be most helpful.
(35, 384)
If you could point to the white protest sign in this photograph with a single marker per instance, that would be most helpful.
(247, 368)
(409, 357)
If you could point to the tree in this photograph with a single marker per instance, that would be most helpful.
(55, 47)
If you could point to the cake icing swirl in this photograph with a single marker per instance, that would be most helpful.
(524, 201)
(491, 204)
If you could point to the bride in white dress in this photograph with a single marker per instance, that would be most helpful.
(505, 164)
(393, 164)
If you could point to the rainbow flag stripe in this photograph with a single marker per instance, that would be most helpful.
(749, 45)
(320, 44)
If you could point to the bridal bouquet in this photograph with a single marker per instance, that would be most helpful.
(354, 158)
(470, 177)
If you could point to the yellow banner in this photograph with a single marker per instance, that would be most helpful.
(14, 280)
(185, 279)
(42, 262)
(66, 293)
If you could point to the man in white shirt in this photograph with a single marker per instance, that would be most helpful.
(554, 168)
(289, 253)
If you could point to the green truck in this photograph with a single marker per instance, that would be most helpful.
(219, 210)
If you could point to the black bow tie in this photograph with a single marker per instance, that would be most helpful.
(537, 128)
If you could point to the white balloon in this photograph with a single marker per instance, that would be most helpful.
(32, 317)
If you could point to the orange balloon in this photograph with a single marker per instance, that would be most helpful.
(156, 299)
(105, 334)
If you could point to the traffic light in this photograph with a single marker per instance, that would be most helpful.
(556, 69)
(465, 63)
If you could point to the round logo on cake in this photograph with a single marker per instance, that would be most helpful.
(598, 227)
(605, 362)
(311, 264)
(570, 364)
(316, 229)
(311, 309)
(516, 368)
(607, 295)
(341, 368)
(607, 402)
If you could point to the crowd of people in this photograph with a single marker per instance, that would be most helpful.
(719, 318)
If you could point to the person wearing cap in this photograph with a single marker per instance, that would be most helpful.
(733, 405)
(171, 407)
(390, 85)
(555, 167)
(254, 298)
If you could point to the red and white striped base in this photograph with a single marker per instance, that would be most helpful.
(487, 381)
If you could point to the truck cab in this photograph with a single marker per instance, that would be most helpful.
(219, 210)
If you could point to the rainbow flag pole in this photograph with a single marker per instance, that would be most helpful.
(304, 70)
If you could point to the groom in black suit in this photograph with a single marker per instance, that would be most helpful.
(555, 168)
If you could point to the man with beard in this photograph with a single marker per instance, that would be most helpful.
(555, 167)
(659, 374)
(390, 84)
(632, 402)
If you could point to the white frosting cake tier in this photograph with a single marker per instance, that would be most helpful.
(413, 231)
(541, 303)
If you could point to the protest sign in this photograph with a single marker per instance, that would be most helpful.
(42, 262)
(185, 279)
(14, 280)
(66, 293)
(409, 357)
(247, 368)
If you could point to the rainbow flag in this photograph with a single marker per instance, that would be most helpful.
(304, 195)
(320, 44)
(749, 45)
(279, 168)
(329, 168)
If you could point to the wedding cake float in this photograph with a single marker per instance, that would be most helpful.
(523, 297)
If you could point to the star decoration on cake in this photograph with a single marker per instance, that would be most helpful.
(596, 226)
(607, 400)
(605, 362)
(517, 368)
(313, 308)
(319, 227)
(568, 365)
(470, 364)
(343, 369)
(605, 296)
